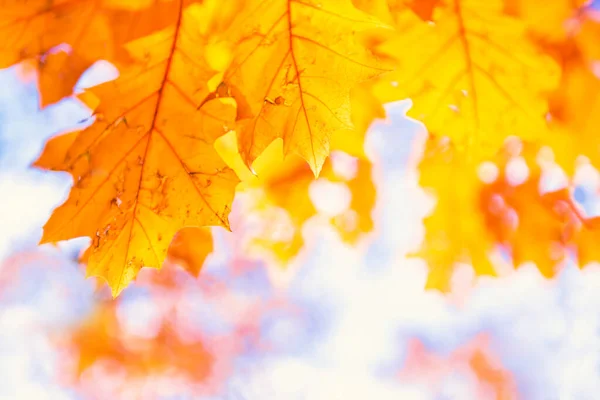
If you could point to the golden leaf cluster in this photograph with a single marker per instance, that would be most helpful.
(213, 93)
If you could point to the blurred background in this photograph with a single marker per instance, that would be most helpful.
(339, 322)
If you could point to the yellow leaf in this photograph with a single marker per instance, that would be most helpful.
(575, 105)
(547, 20)
(383, 9)
(473, 74)
(293, 66)
(472, 218)
(366, 108)
(283, 184)
(454, 232)
(532, 226)
(147, 167)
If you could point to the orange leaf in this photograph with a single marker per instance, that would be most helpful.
(92, 30)
(548, 20)
(283, 185)
(101, 338)
(575, 105)
(190, 247)
(294, 64)
(147, 167)
(533, 226)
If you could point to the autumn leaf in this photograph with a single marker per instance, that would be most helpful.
(575, 105)
(423, 8)
(62, 39)
(473, 74)
(280, 193)
(309, 58)
(481, 209)
(289, 189)
(585, 241)
(551, 21)
(514, 214)
(147, 166)
(102, 339)
(385, 9)
(493, 209)
(366, 108)
(454, 231)
(189, 248)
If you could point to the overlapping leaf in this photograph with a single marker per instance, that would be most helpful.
(454, 232)
(280, 192)
(189, 249)
(514, 214)
(92, 30)
(575, 106)
(551, 21)
(516, 217)
(473, 74)
(294, 64)
(147, 166)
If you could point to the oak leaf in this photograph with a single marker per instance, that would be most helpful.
(147, 166)
(293, 66)
(62, 39)
(473, 74)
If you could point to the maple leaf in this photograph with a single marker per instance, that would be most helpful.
(147, 166)
(37, 31)
(465, 81)
(309, 58)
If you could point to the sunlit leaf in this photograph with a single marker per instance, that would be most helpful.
(309, 58)
(473, 74)
(147, 166)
